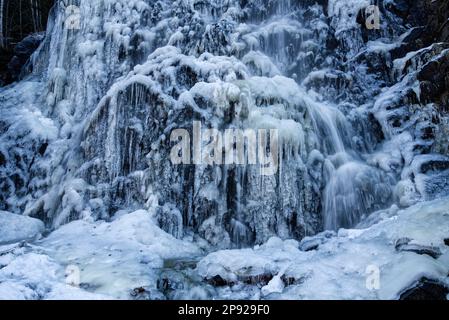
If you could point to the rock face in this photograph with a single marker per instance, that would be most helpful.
(22, 52)
(359, 113)
(426, 290)
(21, 22)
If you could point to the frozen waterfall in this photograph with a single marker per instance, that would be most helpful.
(209, 149)
(112, 89)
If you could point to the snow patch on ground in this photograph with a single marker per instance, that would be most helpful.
(339, 268)
(129, 252)
(16, 228)
(113, 259)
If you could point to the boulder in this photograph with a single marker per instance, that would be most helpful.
(405, 245)
(426, 289)
(16, 228)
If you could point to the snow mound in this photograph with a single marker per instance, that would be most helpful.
(113, 258)
(116, 257)
(36, 276)
(345, 265)
(16, 228)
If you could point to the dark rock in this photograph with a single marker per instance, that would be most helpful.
(401, 242)
(18, 180)
(289, 281)
(171, 280)
(217, 281)
(430, 251)
(143, 293)
(403, 245)
(19, 21)
(434, 165)
(313, 243)
(446, 241)
(261, 280)
(22, 52)
(434, 79)
(43, 148)
(411, 43)
(163, 284)
(139, 290)
(399, 7)
(5, 56)
(426, 289)
(376, 128)
(2, 159)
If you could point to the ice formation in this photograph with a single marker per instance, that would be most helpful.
(85, 146)
(114, 99)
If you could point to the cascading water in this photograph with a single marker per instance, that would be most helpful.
(115, 108)
(87, 137)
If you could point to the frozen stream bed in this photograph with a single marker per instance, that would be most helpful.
(131, 258)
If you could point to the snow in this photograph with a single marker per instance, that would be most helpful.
(338, 267)
(262, 63)
(16, 228)
(345, 11)
(84, 138)
(29, 120)
(116, 257)
(34, 276)
(113, 259)
(119, 255)
(276, 285)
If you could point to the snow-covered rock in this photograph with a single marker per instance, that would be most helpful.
(119, 256)
(16, 228)
(276, 285)
(85, 142)
(342, 267)
(33, 276)
(112, 260)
